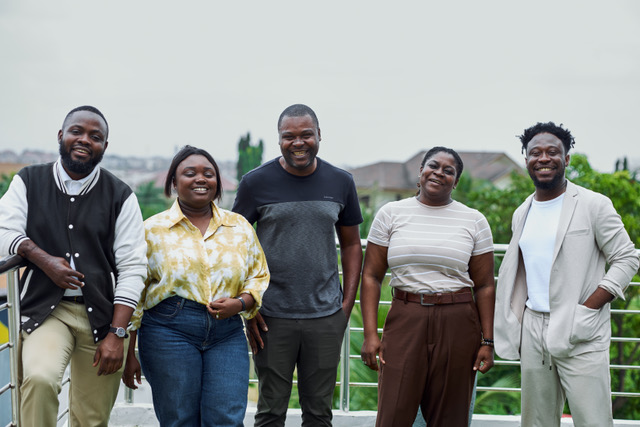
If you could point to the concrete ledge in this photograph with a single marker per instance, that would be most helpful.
(514, 421)
(142, 415)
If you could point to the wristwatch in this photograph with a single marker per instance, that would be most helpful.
(120, 332)
(244, 304)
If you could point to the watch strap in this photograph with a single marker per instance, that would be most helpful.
(244, 304)
(115, 331)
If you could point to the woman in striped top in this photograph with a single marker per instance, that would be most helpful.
(439, 330)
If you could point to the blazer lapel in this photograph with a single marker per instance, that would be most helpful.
(519, 289)
(568, 208)
(519, 227)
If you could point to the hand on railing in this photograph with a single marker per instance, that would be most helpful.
(11, 261)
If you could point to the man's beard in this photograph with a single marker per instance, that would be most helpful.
(74, 166)
(548, 185)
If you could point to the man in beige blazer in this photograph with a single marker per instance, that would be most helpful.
(553, 294)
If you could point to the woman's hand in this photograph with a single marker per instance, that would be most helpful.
(132, 372)
(375, 267)
(484, 359)
(370, 348)
(481, 272)
(224, 308)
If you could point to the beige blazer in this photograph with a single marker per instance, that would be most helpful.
(590, 235)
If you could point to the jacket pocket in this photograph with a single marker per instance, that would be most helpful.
(587, 323)
(579, 232)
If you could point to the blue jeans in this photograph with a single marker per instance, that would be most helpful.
(197, 366)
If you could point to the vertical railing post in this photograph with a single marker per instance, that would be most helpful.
(13, 297)
(128, 396)
(128, 393)
(344, 369)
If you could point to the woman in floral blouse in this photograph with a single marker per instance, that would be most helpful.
(206, 270)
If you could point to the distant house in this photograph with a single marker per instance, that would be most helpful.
(10, 167)
(382, 182)
(134, 171)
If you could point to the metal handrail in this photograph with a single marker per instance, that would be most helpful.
(11, 264)
(499, 250)
(345, 384)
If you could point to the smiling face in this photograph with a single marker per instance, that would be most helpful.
(438, 177)
(299, 144)
(82, 141)
(196, 182)
(546, 162)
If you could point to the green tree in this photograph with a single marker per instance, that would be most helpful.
(623, 165)
(249, 156)
(5, 180)
(151, 199)
(368, 214)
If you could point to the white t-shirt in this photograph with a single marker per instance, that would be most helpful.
(430, 247)
(536, 243)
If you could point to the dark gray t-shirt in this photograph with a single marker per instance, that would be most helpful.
(296, 219)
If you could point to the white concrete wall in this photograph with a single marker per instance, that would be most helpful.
(142, 415)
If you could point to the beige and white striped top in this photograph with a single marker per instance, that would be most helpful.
(430, 247)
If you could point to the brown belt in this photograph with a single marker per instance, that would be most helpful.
(463, 295)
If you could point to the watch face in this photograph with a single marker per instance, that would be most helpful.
(120, 332)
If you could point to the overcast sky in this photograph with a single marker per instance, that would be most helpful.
(387, 79)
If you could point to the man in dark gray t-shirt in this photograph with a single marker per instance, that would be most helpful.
(299, 203)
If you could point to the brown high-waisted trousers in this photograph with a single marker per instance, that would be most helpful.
(429, 353)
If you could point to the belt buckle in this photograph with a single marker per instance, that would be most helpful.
(426, 304)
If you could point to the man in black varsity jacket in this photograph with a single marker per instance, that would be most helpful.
(80, 230)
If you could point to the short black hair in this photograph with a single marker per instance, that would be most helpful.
(182, 154)
(451, 151)
(86, 108)
(561, 133)
(298, 110)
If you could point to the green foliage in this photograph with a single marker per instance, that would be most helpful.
(368, 214)
(623, 165)
(363, 398)
(499, 402)
(5, 180)
(249, 156)
(620, 187)
(151, 200)
(497, 204)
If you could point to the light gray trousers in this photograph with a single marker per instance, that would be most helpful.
(584, 380)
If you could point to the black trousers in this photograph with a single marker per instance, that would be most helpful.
(311, 345)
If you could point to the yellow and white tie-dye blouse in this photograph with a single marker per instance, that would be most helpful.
(227, 261)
